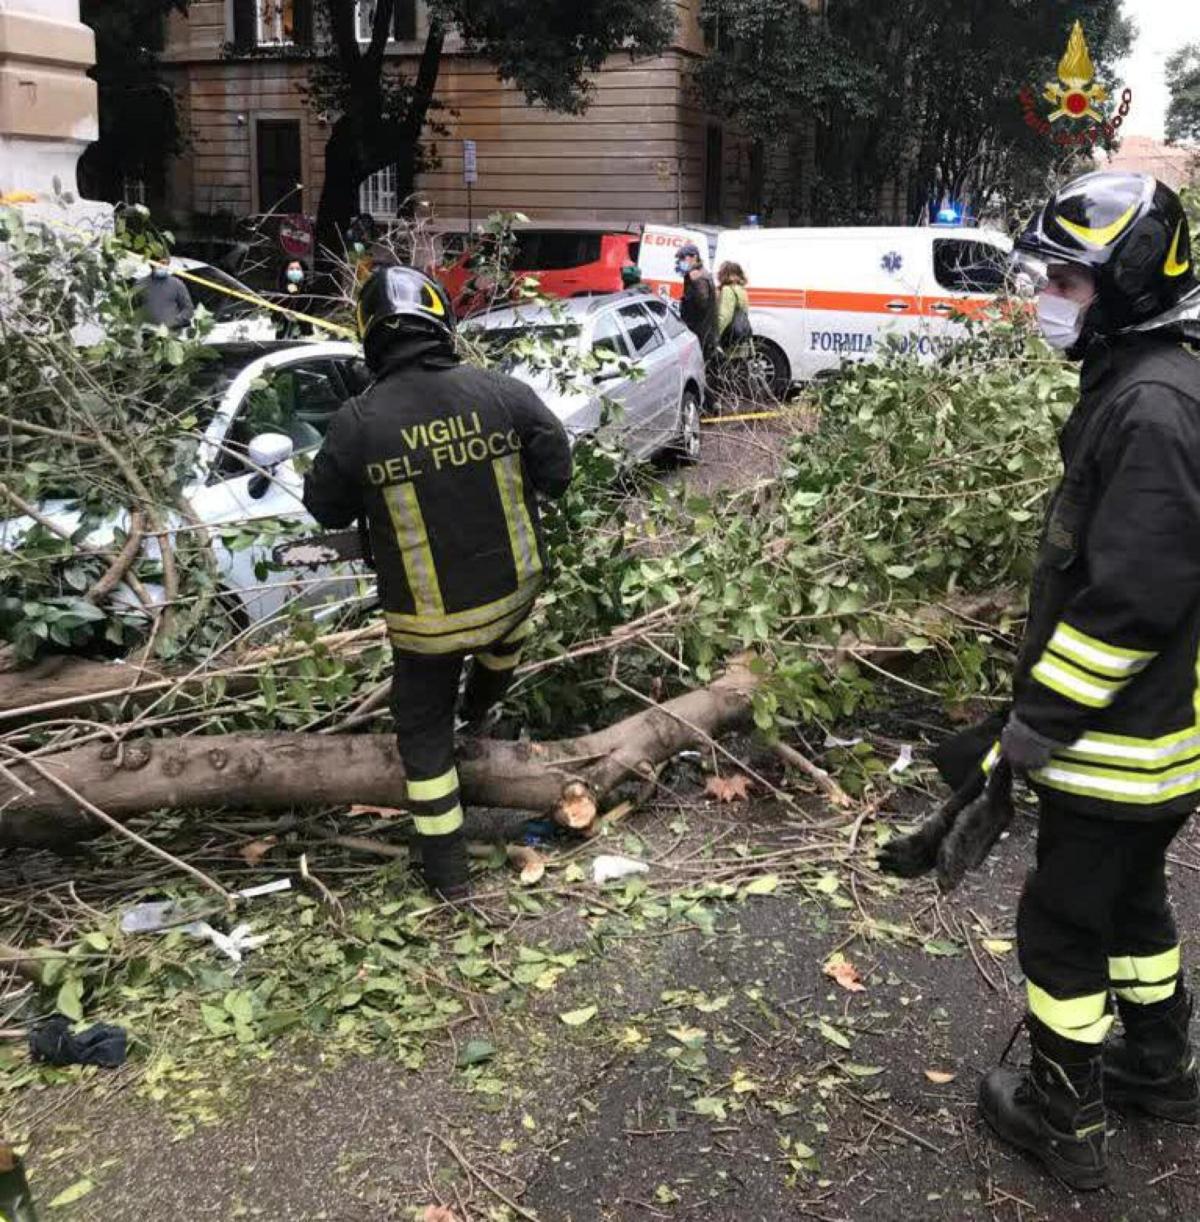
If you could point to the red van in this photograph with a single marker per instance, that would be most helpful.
(567, 262)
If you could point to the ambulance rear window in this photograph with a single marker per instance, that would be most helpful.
(969, 267)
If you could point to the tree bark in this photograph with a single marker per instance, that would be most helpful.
(361, 141)
(279, 771)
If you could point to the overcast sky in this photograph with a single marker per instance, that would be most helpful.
(1161, 27)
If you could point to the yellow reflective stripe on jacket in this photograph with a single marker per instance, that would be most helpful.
(439, 825)
(1141, 754)
(433, 788)
(1135, 789)
(521, 537)
(1145, 979)
(467, 641)
(489, 661)
(1076, 685)
(1097, 655)
(1083, 1019)
(413, 540)
(990, 760)
(459, 621)
(519, 633)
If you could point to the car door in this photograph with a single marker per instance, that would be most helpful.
(298, 398)
(654, 397)
(610, 348)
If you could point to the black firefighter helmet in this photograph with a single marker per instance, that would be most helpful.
(1130, 231)
(408, 300)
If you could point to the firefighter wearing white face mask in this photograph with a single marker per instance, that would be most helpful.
(1105, 723)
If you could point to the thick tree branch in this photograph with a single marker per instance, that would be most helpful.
(279, 771)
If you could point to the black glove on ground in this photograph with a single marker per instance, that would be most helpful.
(51, 1041)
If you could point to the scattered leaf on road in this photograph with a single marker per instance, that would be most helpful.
(833, 1035)
(438, 1213)
(576, 1018)
(860, 1071)
(76, 1192)
(942, 947)
(766, 885)
(256, 850)
(709, 1105)
(734, 788)
(383, 812)
(845, 973)
(939, 1077)
(475, 1052)
(997, 946)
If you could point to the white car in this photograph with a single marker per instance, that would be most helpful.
(660, 409)
(307, 384)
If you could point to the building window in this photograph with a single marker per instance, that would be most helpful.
(377, 194)
(276, 21)
(404, 20)
(133, 190)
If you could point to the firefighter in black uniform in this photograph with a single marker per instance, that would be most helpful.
(1106, 716)
(443, 462)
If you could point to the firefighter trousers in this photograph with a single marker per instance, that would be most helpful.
(424, 700)
(1095, 918)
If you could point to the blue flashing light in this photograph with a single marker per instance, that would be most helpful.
(949, 215)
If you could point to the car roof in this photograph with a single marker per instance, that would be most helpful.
(559, 313)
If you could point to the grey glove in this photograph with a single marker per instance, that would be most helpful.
(1024, 748)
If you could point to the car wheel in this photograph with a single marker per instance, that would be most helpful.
(686, 446)
(770, 373)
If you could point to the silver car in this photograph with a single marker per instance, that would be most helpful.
(659, 407)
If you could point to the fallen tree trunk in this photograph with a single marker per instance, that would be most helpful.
(279, 771)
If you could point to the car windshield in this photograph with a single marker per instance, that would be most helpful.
(511, 346)
(193, 411)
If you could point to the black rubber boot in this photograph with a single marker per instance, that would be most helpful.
(1055, 1111)
(1152, 1068)
(444, 865)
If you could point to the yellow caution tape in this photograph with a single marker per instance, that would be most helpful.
(263, 303)
(252, 298)
(743, 416)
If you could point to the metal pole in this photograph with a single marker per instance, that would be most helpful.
(470, 212)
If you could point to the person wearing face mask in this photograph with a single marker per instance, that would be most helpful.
(165, 300)
(698, 309)
(1105, 721)
(292, 297)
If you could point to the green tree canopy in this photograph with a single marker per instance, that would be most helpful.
(915, 100)
(1183, 81)
(139, 124)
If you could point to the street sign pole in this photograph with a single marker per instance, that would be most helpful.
(470, 177)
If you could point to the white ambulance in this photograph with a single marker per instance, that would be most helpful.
(821, 296)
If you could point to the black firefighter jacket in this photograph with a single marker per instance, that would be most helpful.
(443, 460)
(1109, 662)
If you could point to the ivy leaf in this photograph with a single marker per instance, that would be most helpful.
(70, 998)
